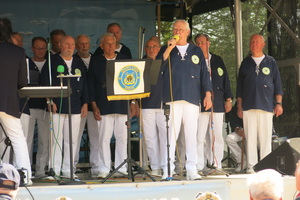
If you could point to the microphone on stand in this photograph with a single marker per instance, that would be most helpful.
(144, 29)
(61, 69)
(176, 38)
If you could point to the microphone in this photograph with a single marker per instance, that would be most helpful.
(78, 73)
(60, 69)
(144, 29)
(176, 38)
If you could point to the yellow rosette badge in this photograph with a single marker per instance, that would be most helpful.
(195, 59)
(266, 70)
(220, 71)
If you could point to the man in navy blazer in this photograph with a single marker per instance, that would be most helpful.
(79, 99)
(185, 76)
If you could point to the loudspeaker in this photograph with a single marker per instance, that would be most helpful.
(283, 159)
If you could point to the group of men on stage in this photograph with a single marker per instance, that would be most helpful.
(192, 81)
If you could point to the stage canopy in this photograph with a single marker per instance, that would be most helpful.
(38, 18)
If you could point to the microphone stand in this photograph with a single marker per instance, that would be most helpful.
(129, 160)
(7, 142)
(72, 181)
(142, 31)
(142, 145)
(212, 166)
(167, 114)
(51, 172)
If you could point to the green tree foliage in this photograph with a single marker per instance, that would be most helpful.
(219, 25)
(283, 46)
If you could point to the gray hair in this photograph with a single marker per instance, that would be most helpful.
(107, 35)
(80, 36)
(187, 26)
(264, 184)
(258, 35)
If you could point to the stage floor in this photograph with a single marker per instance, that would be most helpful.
(229, 187)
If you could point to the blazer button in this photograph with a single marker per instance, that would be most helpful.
(193, 77)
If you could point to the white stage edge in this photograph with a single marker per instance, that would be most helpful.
(229, 188)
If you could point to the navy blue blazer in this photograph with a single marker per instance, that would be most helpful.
(79, 86)
(190, 75)
(124, 50)
(220, 84)
(258, 91)
(97, 86)
(13, 76)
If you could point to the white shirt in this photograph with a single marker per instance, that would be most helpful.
(182, 50)
(69, 64)
(39, 64)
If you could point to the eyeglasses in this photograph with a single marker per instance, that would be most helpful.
(178, 30)
(152, 47)
(40, 48)
(200, 43)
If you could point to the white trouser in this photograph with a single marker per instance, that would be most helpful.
(204, 138)
(92, 130)
(61, 147)
(94, 137)
(93, 133)
(14, 131)
(232, 140)
(258, 130)
(180, 151)
(41, 117)
(186, 114)
(25, 119)
(154, 130)
(112, 124)
(81, 129)
(8, 155)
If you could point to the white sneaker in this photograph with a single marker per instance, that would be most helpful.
(201, 172)
(250, 171)
(120, 174)
(156, 172)
(102, 175)
(29, 182)
(48, 178)
(40, 176)
(193, 176)
(93, 176)
(239, 167)
(68, 176)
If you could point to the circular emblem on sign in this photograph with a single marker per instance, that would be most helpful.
(266, 70)
(195, 59)
(129, 77)
(220, 71)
